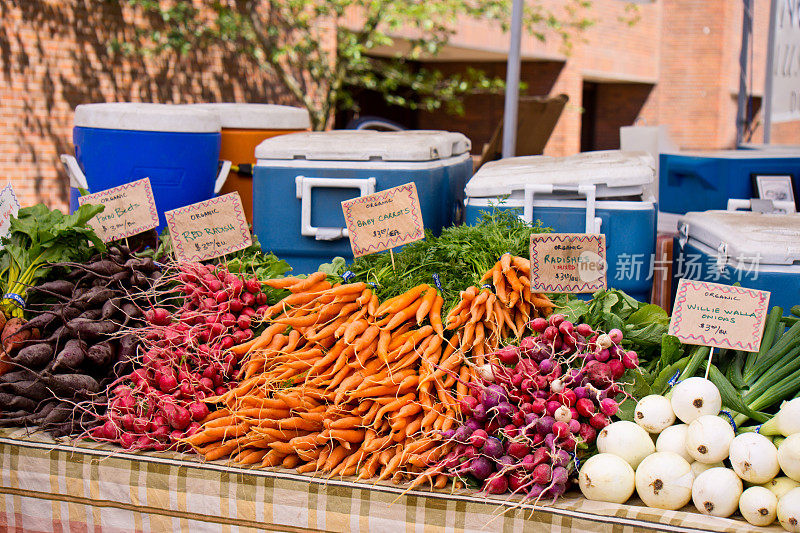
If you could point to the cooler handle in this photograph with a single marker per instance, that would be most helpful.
(593, 223)
(222, 176)
(77, 179)
(769, 206)
(304, 184)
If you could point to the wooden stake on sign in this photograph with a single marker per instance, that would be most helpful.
(710, 357)
(391, 254)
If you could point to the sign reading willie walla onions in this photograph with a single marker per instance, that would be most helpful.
(568, 262)
(209, 229)
(129, 209)
(721, 316)
(383, 220)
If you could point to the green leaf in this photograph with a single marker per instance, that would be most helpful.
(671, 350)
(646, 336)
(574, 309)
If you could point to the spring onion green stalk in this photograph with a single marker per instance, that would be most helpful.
(785, 422)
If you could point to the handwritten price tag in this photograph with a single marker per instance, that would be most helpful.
(568, 262)
(9, 207)
(383, 220)
(722, 316)
(209, 229)
(130, 209)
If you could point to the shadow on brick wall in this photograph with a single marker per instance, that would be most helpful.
(55, 56)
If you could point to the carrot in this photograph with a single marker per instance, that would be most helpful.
(427, 304)
(281, 283)
(310, 281)
(489, 273)
(336, 456)
(383, 344)
(404, 314)
(513, 280)
(345, 423)
(356, 328)
(435, 316)
(347, 435)
(522, 264)
(365, 297)
(402, 301)
(217, 433)
(249, 457)
(272, 458)
(290, 461)
(505, 262)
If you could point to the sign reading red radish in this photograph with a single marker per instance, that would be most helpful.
(209, 229)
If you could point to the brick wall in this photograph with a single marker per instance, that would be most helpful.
(54, 56)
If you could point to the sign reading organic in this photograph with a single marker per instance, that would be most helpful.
(209, 229)
(721, 316)
(383, 220)
(568, 262)
(9, 207)
(129, 209)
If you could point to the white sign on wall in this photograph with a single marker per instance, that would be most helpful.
(782, 88)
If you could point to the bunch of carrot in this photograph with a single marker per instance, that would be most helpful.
(342, 384)
(498, 310)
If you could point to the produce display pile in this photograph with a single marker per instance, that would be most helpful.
(439, 366)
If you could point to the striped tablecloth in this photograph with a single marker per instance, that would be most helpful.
(46, 486)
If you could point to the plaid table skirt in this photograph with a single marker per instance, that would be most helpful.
(49, 486)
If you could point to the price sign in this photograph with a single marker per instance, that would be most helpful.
(129, 209)
(9, 207)
(209, 229)
(568, 262)
(383, 220)
(721, 316)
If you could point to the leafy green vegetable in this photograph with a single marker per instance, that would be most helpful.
(458, 258)
(38, 237)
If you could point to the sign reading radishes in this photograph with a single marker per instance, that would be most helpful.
(568, 262)
(721, 316)
(129, 209)
(383, 220)
(209, 229)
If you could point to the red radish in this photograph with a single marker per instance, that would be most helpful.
(248, 299)
(609, 407)
(550, 333)
(541, 474)
(516, 481)
(497, 484)
(598, 421)
(478, 438)
(585, 407)
(249, 311)
(561, 430)
(587, 433)
(630, 359)
(615, 335)
(235, 285)
(556, 319)
(228, 320)
(584, 330)
(508, 355)
(517, 449)
(198, 410)
(538, 324)
(127, 440)
(616, 367)
(219, 391)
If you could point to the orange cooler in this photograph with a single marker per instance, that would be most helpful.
(244, 126)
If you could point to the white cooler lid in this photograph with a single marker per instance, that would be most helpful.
(258, 116)
(786, 153)
(364, 145)
(146, 117)
(615, 173)
(775, 239)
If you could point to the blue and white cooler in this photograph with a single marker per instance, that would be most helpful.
(176, 146)
(760, 251)
(301, 179)
(701, 181)
(594, 192)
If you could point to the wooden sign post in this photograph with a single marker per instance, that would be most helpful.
(383, 220)
(568, 262)
(719, 316)
(209, 229)
(130, 209)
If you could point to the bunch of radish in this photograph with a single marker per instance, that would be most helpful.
(184, 359)
(85, 342)
(533, 411)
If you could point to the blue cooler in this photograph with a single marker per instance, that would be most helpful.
(700, 181)
(301, 179)
(593, 192)
(177, 147)
(759, 251)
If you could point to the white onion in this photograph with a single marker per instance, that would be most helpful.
(780, 485)
(789, 510)
(698, 467)
(694, 397)
(654, 413)
(785, 422)
(754, 458)
(664, 481)
(627, 440)
(708, 439)
(758, 506)
(673, 439)
(789, 456)
(606, 477)
(716, 492)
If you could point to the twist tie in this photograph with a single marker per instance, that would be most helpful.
(347, 275)
(730, 419)
(486, 286)
(437, 282)
(17, 299)
(577, 461)
(758, 429)
(674, 379)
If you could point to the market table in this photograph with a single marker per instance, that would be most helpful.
(50, 486)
